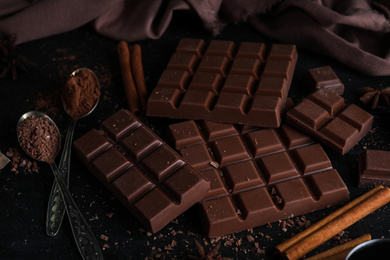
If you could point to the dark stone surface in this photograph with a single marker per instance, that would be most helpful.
(24, 196)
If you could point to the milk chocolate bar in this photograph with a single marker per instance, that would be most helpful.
(324, 78)
(325, 116)
(223, 82)
(257, 176)
(145, 174)
(374, 168)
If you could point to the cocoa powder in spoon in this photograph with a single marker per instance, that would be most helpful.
(80, 93)
(39, 138)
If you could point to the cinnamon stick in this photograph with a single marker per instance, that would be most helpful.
(293, 240)
(339, 223)
(138, 73)
(341, 251)
(127, 77)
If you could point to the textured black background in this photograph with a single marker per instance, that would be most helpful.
(23, 196)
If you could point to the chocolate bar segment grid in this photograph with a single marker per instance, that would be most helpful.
(256, 175)
(325, 116)
(144, 173)
(225, 82)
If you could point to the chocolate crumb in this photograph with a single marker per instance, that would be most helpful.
(109, 215)
(212, 254)
(103, 237)
(20, 163)
(250, 238)
(214, 164)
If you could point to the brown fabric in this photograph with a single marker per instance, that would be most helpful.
(350, 31)
(355, 32)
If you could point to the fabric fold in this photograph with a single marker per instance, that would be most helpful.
(354, 32)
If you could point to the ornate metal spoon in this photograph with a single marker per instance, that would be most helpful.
(56, 208)
(85, 239)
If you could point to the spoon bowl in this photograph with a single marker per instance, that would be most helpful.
(83, 235)
(87, 112)
(37, 114)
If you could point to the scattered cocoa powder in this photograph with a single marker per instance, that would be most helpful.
(49, 102)
(39, 138)
(80, 93)
(20, 163)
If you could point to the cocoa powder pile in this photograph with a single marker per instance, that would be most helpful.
(39, 138)
(80, 93)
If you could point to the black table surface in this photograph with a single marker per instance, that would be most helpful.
(24, 196)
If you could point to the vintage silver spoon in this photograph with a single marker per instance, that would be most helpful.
(85, 239)
(55, 208)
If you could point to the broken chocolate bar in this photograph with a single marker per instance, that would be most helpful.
(324, 78)
(225, 83)
(141, 170)
(374, 168)
(257, 176)
(325, 116)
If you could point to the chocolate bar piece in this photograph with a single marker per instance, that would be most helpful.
(325, 116)
(374, 168)
(223, 82)
(257, 176)
(4, 160)
(141, 170)
(324, 78)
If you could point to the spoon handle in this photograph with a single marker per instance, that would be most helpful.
(85, 239)
(55, 208)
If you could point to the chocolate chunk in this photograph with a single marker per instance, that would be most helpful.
(325, 79)
(374, 168)
(147, 176)
(223, 82)
(4, 160)
(257, 176)
(325, 116)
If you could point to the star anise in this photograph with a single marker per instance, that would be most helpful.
(212, 254)
(10, 60)
(373, 96)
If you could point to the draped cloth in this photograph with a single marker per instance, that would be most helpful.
(354, 32)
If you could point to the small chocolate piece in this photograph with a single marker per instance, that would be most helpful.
(325, 79)
(4, 160)
(325, 116)
(142, 171)
(257, 176)
(374, 168)
(223, 82)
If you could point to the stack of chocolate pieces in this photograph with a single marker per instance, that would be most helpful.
(234, 157)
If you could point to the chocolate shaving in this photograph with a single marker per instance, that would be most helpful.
(39, 138)
(20, 163)
(212, 254)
